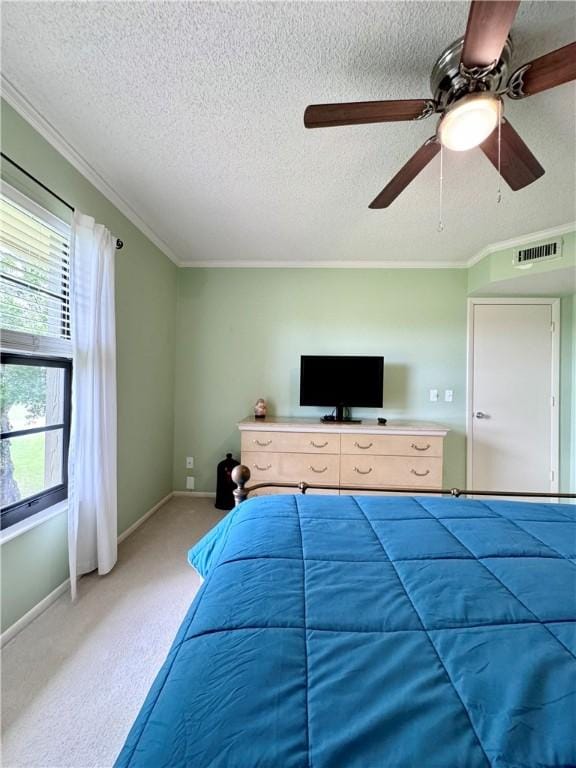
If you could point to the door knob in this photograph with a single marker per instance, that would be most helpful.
(481, 415)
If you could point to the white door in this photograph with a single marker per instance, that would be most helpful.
(513, 378)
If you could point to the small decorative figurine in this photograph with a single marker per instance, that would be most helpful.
(260, 409)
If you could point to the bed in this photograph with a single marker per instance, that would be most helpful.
(365, 631)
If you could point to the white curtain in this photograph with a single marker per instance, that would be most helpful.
(92, 513)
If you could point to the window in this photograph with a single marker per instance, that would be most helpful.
(35, 434)
(35, 370)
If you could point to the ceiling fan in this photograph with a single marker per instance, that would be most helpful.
(467, 84)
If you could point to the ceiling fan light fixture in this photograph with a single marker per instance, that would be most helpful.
(469, 121)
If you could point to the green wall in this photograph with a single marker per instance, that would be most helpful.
(572, 414)
(35, 563)
(240, 333)
(499, 266)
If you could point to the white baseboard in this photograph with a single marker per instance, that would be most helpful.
(145, 516)
(197, 494)
(40, 607)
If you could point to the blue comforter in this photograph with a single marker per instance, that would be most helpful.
(372, 632)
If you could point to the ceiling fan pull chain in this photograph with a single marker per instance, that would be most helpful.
(499, 192)
(440, 227)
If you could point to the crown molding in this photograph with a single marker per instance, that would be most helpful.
(25, 109)
(324, 264)
(517, 242)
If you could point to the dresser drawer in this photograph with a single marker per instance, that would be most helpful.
(290, 442)
(398, 471)
(391, 445)
(291, 467)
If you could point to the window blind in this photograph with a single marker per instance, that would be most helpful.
(34, 276)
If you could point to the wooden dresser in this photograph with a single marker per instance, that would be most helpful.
(400, 454)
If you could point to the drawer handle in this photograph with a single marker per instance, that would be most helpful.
(318, 471)
(417, 447)
(318, 445)
(363, 472)
(364, 447)
(263, 445)
(420, 474)
(263, 469)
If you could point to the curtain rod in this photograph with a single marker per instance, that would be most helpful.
(119, 243)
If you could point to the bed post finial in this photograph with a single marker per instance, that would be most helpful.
(240, 476)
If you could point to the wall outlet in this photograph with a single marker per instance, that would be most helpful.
(190, 483)
(189, 462)
(448, 395)
(433, 395)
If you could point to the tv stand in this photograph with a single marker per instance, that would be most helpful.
(336, 420)
(339, 418)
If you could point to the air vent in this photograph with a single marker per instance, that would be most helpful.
(540, 252)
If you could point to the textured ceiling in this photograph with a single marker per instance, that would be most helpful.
(193, 113)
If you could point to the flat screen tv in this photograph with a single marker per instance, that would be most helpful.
(341, 382)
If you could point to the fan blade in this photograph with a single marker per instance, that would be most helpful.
(548, 71)
(360, 112)
(518, 166)
(407, 173)
(489, 23)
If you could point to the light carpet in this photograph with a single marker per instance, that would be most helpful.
(75, 678)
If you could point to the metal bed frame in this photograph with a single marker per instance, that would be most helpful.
(241, 475)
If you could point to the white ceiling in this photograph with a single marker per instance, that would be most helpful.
(192, 112)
